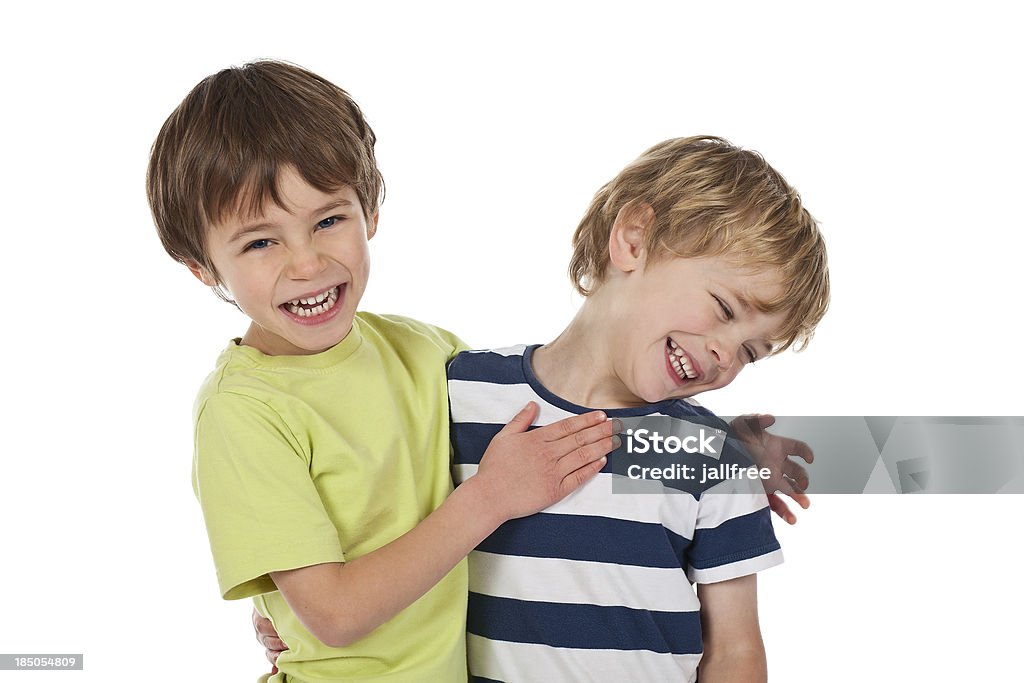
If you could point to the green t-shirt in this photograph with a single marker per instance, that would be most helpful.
(301, 460)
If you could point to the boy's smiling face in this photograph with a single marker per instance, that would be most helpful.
(688, 326)
(681, 326)
(297, 271)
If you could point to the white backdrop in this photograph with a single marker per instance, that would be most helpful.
(898, 122)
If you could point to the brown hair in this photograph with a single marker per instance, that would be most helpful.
(222, 149)
(711, 198)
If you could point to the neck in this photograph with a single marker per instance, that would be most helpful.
(577, 364)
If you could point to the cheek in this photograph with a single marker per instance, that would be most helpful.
(729, 376)
(706, 318)
(249, 289)
(352, 252)
(364, 261)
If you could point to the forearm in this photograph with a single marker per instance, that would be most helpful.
(749, 666)
(342, 603)
(733, 647)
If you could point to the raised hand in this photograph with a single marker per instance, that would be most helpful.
(777, 454)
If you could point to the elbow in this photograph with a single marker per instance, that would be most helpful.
(340, 637)
(338, 634)
(329, 605)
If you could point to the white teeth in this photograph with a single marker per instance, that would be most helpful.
(326, 301)
(680, 362)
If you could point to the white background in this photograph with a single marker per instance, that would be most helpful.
(898, 122)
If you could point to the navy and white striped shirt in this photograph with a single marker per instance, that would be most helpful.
(598, 586)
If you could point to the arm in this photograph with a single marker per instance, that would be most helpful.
(521, 472)
(773, 451)
(733, 648)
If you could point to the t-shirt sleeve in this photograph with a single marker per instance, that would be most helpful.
(453, 344)
(733, 535)
(449, 344)
(261, 508)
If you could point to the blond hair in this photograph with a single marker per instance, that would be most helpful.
(711, 198)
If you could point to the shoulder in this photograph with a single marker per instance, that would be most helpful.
(234, 406)
(502, 365)
(238, 386)
(400, 331)
(230, 364)
(685, 408)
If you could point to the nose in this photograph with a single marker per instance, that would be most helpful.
(305, 262)
(722, 353)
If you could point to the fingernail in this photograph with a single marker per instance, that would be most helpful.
(616, 425)
(616, 441)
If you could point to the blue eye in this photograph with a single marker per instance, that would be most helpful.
(328, 222)
(258, 244)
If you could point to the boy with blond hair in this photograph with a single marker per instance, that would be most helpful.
(322, 437)
(696, 260)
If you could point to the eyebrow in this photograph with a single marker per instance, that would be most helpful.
(248, 229)
(742, 301)
(266, 225)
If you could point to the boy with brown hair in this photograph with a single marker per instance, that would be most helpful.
(322, 437)
(696, 260)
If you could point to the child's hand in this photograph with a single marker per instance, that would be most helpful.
(267, 637)
(773, 452)
(527, 471)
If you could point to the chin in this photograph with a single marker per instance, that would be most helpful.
(651, 396)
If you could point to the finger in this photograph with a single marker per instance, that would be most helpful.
(786, 486)
(753, 429)
(758, 422)
(796, 474)
(585, 456)
(273, 669)
(779, 507)
(571, 425)
(264, 626)
(747, 426)
(587, 436)
(580, 476)
(802, 499)
(274, 644)
(522, 420)
(800, 449)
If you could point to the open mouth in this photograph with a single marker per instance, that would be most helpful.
(679, 361)
(313, 306)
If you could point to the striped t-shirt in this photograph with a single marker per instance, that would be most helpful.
(598, 586)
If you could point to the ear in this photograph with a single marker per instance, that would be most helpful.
(371, 225)
(626, 248)
(202, 274)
